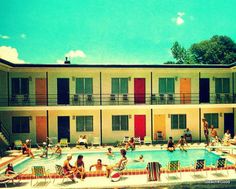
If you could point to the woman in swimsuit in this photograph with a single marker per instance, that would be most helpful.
(79, 165)
(170, 145)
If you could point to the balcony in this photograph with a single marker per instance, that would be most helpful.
(114, 99)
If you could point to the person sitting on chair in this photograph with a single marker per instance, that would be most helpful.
(226, 138)
(130, 144)
(83, 141)
(188, 134)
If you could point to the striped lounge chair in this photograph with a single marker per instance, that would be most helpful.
(153, 171)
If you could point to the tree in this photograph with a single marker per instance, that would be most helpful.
(217, 50)
(178, 52)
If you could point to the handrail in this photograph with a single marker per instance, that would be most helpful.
(4, 131)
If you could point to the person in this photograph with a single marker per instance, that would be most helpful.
(10, 169)
(68, 168)
(140, 159)
(233, 141)
(58, 150)
(170, 145)
(83, 141)
(214, 136)
(98, 165)
(205, 129)
(227, 137)
(182, 142)
(79, 166)
(187, 133)
(109, 153)
(130, 144)
(27, 150)
(44, 150)
(119, 164)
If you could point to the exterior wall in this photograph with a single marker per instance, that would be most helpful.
(6, 118)
(72, 75)
(110, 136)
(74, 136)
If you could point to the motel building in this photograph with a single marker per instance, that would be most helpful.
(112, 101)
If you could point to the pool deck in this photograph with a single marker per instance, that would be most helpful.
(219, 179)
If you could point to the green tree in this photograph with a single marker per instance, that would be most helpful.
(217, 50)
(178, 52)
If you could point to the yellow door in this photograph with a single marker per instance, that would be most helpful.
(159, 125)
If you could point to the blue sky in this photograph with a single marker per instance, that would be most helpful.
(108, 31)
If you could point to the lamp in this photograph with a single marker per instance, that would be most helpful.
(176, 78)
(73, 117)
(129, 78)
(168, 115)
(130, 116)
(213, 78)
(30, 117)
(73, 78)
(30, 78)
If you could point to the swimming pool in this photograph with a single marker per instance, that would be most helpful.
(186, 159)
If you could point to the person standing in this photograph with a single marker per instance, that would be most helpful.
(206, 132)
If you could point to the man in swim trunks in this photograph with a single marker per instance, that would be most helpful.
(98, 166)
(206, 132)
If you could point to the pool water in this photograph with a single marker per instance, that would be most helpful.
(186, 159)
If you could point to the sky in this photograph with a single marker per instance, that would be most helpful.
(108, 31)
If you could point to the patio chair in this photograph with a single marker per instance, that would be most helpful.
(125, 140)
(60, 172)
(64, 142)
(18, 144)
(5, 179)
(137, 140)
(39, 172)
(153, 171)
(96, 141)
(221, 164)
(199, 165)
(174, 166)
(147, 140)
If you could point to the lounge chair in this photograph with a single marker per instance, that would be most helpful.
(18, 144)
(60, 172)
(125, 140)
(174, 166)
(64, 142)
(147, 140)
(199, 165)
(39, 172)
(153, 171)
(137, 140)
(96, 141)
(221, 164)
(5, 179)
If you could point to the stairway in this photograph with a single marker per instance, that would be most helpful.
(3, 139)
(4, 135)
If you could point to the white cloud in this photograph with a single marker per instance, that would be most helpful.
(23, 36)
(72, 54)
(4, 36)
(179, 19)
(76, 53)
(10, 54)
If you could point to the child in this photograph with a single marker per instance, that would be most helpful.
(170, 145)
(182, 141)
(110, 153)
(140, 159)
(130, 144)
(44, 150)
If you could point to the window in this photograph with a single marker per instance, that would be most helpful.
(84, 123)
(222, 85)
(20, 125)
(166, 86)
(120, 123)
(178, 121)
(84, 86)
(212, 119)
(119, 85)
(19, 86)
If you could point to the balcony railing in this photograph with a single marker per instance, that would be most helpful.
(116, 99)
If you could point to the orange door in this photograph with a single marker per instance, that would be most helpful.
(185, 90)
(159, 125)
(41, 91)
(41, 129)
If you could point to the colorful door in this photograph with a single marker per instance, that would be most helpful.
(63, 123)
(159, 125)
(139, 90)
(63, 91)
(140, 126)
(185, 90)
(41, 129)
(229, 123)
(41, 91)
(204, 90)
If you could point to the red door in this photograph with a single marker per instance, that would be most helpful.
(140, 126)
(139, 90)
(41, 129)
(41, 91)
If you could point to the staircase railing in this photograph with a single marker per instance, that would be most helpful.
(4, 132)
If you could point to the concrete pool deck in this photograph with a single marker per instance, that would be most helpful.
(214, 179)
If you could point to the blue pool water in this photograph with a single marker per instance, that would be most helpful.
(162, 156)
